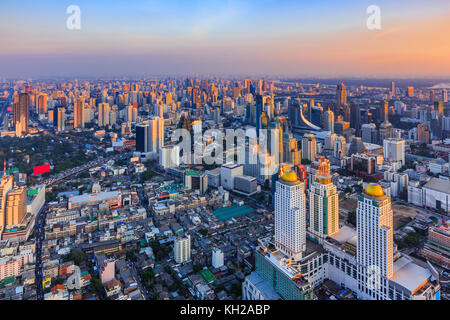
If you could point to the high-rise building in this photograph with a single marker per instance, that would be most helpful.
(41, 103)
(290, 216)
(150, 135)
(323, 203)
(423, 133)
(341, 94)
(355, 118)
(61, 119)
(217, 258)
(439, 107)
(394, 150)
(328, 120)
(16, 206)
(182, 249)
(21, 113)
(410, 91)
(103, 114)
(78, 113)
(308, 147)
(6, 184)
(369, 133)
(375, 231)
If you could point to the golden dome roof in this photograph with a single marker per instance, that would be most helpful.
(289, 176)
(374, 190)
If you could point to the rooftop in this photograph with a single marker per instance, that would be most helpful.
(438, 185)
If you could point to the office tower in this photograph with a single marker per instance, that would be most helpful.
(423, 134)
(369, 133)
(394, 150)
(259, 110)
(439, 107)
(290, 216)
(328, 120)
(347, 113)
(41, 104)
(392, 89)
(217, 258)
(182, 249)
(142, 133)
(374, 219)
(21, 113)
(341, 94)
(16, 206)
(444, 95)
(61, 119)
(323, 203)
(113, 115)
(383, 112)
(330, 138)
(290, 153)
(194, 180)
(78, 113)
(308, 147)
(386, 131)
(6, 184)
(103, 114)
(410, 91)
(150, 135)
(339, 151)
(355, 118)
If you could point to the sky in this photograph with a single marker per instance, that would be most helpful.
(231, 37)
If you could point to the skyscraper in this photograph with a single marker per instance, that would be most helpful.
(182, 249)
(16, 206)
(374, 219)
(41, 103)
(394, 150)
(103, 114)
(290, 216)
(355, 118)
(150, 135)
(78, 113)
(323, 203)
(60, 119)
(328, 120)
(308, 146)
(341, 94)
(21, 113)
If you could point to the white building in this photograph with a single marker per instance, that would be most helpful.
(227, 174)
(308, 147)
(290, 216)
(375, 232)
(217, 258)
(182, 249)
(169, 156)
(394, 150)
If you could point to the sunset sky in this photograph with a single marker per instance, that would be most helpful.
(253, 37)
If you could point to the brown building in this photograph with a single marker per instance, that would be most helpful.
(16, 206)
(21, 113)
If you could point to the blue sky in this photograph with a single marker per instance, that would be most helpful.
(170, 31)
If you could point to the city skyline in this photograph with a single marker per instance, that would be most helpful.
(275, 38)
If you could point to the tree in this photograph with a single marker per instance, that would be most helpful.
(77, 256)
(197, 267)
(351, 218)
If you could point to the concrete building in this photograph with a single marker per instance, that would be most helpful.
(245, 185)
(394, 150)
(217, 258)
(290, 216)
(227, 174)
(182, 249)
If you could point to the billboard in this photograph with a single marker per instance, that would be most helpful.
(41, 169)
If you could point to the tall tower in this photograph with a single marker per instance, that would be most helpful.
(323, 203)
(21, 112)
(78, 113)
(328, 120)
(308, 146)
(290, 216)
(374, 219)
(103, 114)
(61, 117)
(341, 94)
